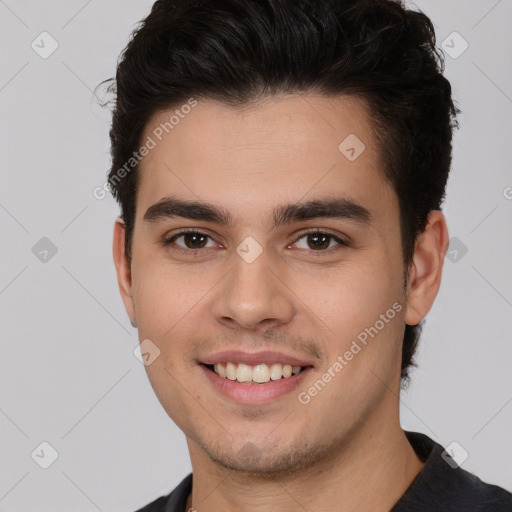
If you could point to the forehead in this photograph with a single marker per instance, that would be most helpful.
(283, 150)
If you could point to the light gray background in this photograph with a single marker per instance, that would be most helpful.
(68, 374)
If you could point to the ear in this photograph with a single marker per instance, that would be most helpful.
(426, 268)
(123, 269)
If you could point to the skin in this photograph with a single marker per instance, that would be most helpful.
(345, 450)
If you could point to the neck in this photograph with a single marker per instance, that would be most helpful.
(370, 471)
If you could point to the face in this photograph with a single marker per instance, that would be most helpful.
(289, 263)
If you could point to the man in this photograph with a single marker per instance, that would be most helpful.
(280, 167)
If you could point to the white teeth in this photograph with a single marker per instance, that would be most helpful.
(259, 373)
(276, 371)
(231, 371)
(243, 373)
(220, 369)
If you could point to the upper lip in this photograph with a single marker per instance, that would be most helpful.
(254, 358)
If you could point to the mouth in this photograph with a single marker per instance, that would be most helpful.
(260, 373)
(254, 378)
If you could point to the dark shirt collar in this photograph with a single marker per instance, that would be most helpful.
(437, 487)
(442, 485)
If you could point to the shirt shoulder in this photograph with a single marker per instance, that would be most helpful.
(443, 486)
(155, 506)
(176, 501)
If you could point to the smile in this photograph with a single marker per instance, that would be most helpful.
(255, 374)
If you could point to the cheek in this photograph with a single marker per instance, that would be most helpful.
(376, 335)
(362, 306)
(351, 298)
(164, 292)
(165, 299)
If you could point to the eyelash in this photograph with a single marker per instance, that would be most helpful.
(168, 241)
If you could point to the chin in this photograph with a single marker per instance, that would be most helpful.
(268, 462)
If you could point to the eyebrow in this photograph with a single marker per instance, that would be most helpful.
(335, 208)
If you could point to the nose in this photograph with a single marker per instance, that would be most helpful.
(252, 296)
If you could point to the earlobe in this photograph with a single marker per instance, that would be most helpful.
(123, 269)
(426, 268)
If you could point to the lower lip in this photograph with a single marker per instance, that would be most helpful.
(255, 393)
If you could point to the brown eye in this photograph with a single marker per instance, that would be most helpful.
(192, 240)
(320, 241)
